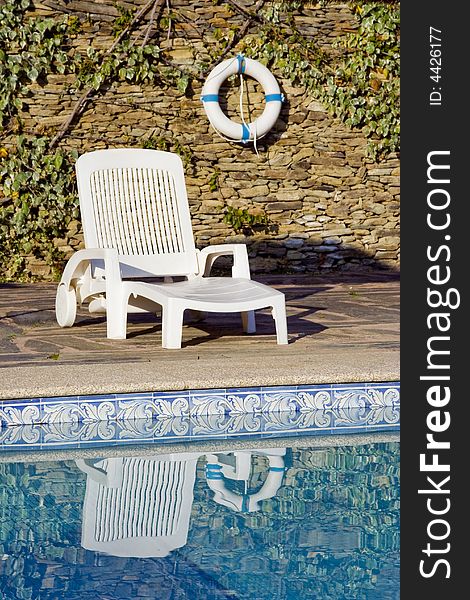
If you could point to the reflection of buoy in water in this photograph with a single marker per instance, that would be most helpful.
(217, 472)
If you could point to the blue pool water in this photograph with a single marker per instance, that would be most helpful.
(277, 524)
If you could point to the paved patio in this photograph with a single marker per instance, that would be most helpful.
(341, 329)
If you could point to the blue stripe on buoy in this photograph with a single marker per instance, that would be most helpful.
(276, 469)
(210, 98)
(273, 98)
(245, 133)
(241, 63)
(213, 475)
(245, 503)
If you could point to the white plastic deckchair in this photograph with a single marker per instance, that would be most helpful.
(137, 225)
(138, 506)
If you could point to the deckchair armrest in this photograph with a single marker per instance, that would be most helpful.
(79, 261)
(241, 266)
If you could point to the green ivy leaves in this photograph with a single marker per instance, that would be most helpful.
(127, 62)
(358, 82)
(171, 145)
(29, 48)
(359, 85)
(37, 201)
(245, 220)
(364, 90)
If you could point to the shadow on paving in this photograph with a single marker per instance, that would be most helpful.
(345, 310)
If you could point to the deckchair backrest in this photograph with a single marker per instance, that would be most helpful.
(145, 512)
(135, 201)
(147, 504)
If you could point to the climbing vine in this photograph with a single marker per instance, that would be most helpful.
(171, 144)
(37, 202)
(38, 196)
(359, 85)
(246, 220)
(358, 80)
(29, 49)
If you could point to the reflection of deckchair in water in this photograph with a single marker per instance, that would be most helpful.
(219, 469)
(141, 506)
(138, 506)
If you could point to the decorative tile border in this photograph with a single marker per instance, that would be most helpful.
(233, 402)
(163, 429)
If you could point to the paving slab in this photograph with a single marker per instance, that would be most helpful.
(342, 328)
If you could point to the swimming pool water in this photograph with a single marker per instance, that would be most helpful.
(277, 524)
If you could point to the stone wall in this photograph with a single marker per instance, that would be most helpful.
(328, 205)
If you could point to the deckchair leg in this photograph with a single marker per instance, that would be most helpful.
(248, 321)
(116, 316)
(172, 326)
(280, 319)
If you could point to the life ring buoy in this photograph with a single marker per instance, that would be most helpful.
(241, 132)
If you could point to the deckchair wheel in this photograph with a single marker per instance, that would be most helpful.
(65, 306)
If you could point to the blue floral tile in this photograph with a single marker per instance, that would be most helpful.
(210, 401)
(198, 428)
(235, 403)
(78, 409)
(19, 413)
(152, 405)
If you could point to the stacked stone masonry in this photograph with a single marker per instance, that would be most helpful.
(329, 207)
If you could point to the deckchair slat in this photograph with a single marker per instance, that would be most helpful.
(136, 211)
